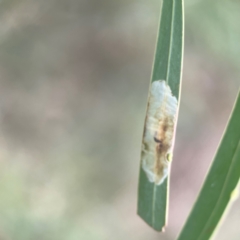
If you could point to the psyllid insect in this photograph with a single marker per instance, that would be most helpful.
(159, 132)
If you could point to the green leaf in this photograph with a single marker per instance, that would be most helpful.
(153, 199)
(219, 186)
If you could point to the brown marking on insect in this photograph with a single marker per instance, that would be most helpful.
(145, 148)
(163, 138)
(157, 140)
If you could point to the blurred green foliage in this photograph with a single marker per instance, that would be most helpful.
(220, 185)
(73, 87)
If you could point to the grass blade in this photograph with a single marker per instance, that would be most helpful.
(219, 186)
(152, 198)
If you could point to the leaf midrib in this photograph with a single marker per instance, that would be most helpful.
(167, 76)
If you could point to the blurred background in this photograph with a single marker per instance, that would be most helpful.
(74, 78)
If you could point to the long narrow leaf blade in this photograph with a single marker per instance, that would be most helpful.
(152, 198)
(219, 186)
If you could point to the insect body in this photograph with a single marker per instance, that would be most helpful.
(159, 131)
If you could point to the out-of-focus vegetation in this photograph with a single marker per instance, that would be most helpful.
(73, 88)
(220, 186)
